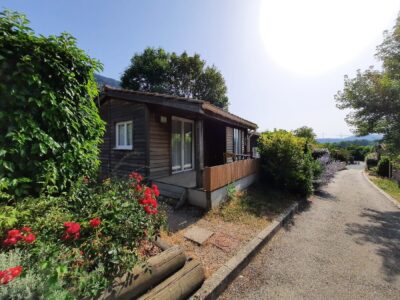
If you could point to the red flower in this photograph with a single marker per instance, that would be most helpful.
(30, 238)
(71, 231)
(14, 233)
(156, 191)
(65, 236)
(72, 227)
(15, 271)
(149, 210)
(95, 222)
(7, 275)
(136, 176)
(26, 229)
(138, 188)
(10, 241)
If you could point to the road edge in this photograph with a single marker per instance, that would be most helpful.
(387, 196)
(218, 282)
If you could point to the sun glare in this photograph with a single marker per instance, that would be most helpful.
(312, 36)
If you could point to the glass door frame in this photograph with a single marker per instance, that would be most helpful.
(182, 121)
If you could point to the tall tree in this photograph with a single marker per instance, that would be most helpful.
(374, 95)
(305, 132)
(156, 70)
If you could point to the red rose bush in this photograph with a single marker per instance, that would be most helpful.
(95, 231)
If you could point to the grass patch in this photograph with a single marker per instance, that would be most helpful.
(254, 207)
(389, 186)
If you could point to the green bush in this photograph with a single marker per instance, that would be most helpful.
(30, 284)
(287, 162)
(340, 155)
(371, 162)
(113, 219)
(49, 123)
(383, 166)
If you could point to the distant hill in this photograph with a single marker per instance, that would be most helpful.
(102, 80)
(370, 138)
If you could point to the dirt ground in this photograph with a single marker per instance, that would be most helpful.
(234, 225)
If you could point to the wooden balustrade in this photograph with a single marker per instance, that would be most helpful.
(219, 176)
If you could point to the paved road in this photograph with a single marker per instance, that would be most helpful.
(346, 245)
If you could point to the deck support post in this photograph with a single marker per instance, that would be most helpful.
(199, 152)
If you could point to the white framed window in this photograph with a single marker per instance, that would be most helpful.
(237, 141)
(182, 144)
(124, 135)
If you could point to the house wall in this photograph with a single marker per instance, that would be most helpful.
(121, 162)
(160, 146)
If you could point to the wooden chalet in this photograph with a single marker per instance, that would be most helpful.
(189, 147)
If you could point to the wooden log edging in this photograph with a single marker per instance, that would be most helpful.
(141, 278)
(180, 285)
(218, 281)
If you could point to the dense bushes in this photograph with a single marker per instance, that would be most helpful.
(287, 162)
(49, 123)
(83, 240)
(383, 166)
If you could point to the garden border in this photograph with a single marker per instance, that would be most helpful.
(218, 281)
(387, 196)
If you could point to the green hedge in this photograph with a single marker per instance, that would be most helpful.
(287, 162)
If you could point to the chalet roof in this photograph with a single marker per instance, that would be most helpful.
(193, 105)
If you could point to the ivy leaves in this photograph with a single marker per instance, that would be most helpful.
(50, 128)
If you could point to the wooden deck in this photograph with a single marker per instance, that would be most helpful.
(183, 179)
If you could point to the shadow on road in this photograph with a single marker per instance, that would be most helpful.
(324, 195)
(383, 229)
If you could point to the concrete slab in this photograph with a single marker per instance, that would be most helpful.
(198, 235)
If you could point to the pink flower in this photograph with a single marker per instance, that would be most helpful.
(95, 222)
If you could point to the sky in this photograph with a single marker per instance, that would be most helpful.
(283, 61)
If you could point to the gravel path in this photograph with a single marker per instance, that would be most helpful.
(346, 245)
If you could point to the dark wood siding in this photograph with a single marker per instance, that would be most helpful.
(116, 162)
(160, 146)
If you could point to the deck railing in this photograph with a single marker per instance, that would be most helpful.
(219, 176)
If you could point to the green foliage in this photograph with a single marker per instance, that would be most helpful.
(49, 124)
(30, 284)
(156, 70)
(374, 96)
(231, 192)
(287, 161)
(84, 266)
(306, 132)
(383, 166)
(340, 155)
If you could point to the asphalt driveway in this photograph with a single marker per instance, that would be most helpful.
(346, 245)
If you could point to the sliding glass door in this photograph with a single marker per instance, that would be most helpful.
(182, 144)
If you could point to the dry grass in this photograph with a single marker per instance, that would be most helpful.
(234, 224)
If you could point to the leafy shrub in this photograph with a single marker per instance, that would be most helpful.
(383, 166)
(286, 161)
(29, 284)
(371, 162)
(49, 124)
(88, 237)
(340, 155)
